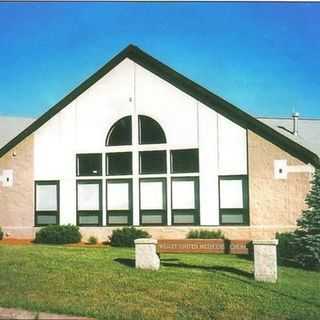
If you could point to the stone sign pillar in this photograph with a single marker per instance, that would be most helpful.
(146, 254)
(265, 260)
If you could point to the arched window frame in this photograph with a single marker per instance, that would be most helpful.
(114, 127)
(156, 127)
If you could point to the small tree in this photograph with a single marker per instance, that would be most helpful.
(306, 239)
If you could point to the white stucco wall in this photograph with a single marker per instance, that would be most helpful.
(172, 108)
(232, 147)
(129, 89)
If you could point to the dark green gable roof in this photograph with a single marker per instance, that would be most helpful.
(184, 84)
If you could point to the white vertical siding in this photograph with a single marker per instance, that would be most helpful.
(129, 89)
(174, 110)
(232, 146)
(208, 161)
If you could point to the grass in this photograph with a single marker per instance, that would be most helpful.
(102, 283)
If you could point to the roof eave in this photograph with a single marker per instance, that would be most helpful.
(184, 84)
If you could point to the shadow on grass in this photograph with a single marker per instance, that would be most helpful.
(131, 262)
(167, 263)
(282, 262)
(126, 262)
(209, 268)
(228, 272)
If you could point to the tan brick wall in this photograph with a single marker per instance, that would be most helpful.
(274, 202)
(16, 202)
(174, 232)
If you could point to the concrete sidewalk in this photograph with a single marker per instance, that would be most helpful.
(18, 314)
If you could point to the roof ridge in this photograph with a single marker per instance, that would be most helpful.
(187, 86)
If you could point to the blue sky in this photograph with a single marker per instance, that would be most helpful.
(263, 57)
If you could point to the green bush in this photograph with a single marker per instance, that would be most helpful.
(286, 249)
(1, 234)
(92, 240)
(125, 237)
(205, 234)
(307, 250)
(55, 234)
(306, 240)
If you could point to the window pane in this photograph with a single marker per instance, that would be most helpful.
(120, 133)
(231, 194)
(118, 196)
(118, 220)
(119, 163)
(156, 219)
(183, 161)
(89, 164)
(46, 219)
(88, 196)
(46, 196)
(151, 195)
(150, 131)
(232, 218)
(92, 219)
(153, 162)
(183, 194)
(183, 218)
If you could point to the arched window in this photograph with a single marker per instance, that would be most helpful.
(120, 133)
(150, 131)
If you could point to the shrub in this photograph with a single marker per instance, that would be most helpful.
(125, 237)
(205, 234)
(306, 239)
(1, 234)
(92, 240)
(286, 249)
(55, 234)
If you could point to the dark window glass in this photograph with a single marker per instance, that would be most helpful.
(234, 200)
(153, 201)
(232, 218)
(119, 163)
(185, 202)
(184, 218)
(87, 220)
(120, 133)
(153, 162)
(89, 164)
(46, 203)
(184, 161)
(89, 202)
(119, 202)
(46, 219)
(150, 131)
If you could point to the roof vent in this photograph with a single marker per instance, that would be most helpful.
(295, 117)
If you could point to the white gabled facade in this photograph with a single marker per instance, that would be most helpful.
(130, 90)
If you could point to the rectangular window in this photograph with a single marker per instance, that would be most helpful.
(153, 205)
(153, 162)
(119, 202)
(119, 163)
(233, 199)
(184, 161)
(46, 202)
(89, 164)
(89, 202)
(185, 201)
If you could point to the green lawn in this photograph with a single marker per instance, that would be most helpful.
(102, 283)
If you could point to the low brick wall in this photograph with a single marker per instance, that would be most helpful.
(203, 246)
(237, 246)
